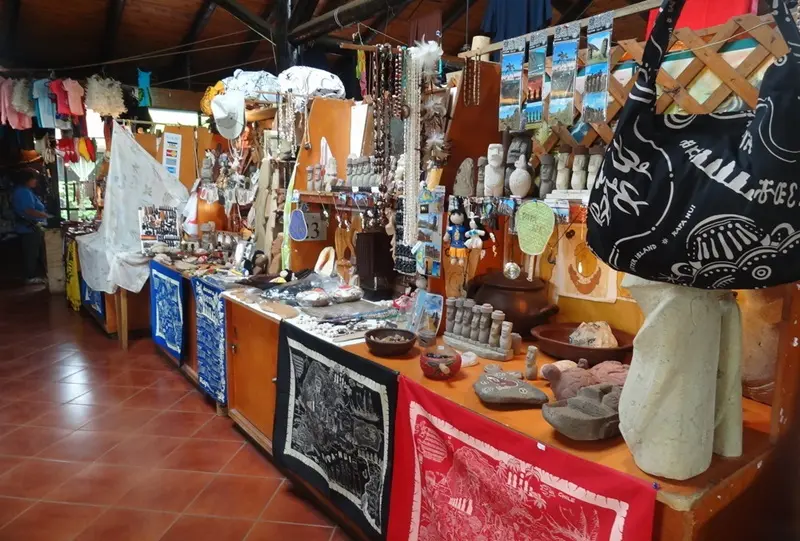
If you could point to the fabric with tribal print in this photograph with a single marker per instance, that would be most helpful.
(706, 201)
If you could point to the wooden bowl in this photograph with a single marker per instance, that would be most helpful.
(389, 349)
(553, 339)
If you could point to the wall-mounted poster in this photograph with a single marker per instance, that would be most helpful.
(598, 53)
(428, 250)
(171, 156)
(562, 85)
(157, 225)
(533, 112)
(511, 83)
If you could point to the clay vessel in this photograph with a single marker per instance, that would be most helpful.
(553, 339)
(440, 362)
(524, 302)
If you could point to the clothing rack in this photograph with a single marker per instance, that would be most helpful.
(618, 13)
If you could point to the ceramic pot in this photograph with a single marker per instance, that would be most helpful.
(524, 303)
(440, 362)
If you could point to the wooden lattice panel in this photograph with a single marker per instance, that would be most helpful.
(705, 46)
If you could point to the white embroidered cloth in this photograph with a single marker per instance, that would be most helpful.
(111, 257)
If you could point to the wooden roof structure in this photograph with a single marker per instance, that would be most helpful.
(72, 36)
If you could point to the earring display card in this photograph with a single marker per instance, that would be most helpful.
(511, 83)
(598, 53)
(533, 112)
(562, 85)
(158, 225)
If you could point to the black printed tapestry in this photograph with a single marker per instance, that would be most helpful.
(334, 425)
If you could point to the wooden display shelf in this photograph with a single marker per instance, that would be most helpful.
(125, 312)
(684, 509)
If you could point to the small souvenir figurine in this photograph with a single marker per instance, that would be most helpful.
(456, 236)
(579, 168)
(595, 161)
(475, 234)
(493, 173)
(563, 172)
(546, 175)
(520, 178)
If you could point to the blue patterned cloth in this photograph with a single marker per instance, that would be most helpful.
(211, 369)
(93, 300)
(166, 308)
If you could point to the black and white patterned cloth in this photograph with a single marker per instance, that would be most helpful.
(708, 201)
(334, 425)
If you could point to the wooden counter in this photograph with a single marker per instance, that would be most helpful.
(685, 509)
(252, 370)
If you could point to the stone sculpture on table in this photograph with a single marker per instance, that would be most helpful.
(479, 329)
(530, 363)
(507, 388)
(567, 383)
(595, 334)
(560, 365)
(591, 415)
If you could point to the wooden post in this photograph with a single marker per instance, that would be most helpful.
(122, 318)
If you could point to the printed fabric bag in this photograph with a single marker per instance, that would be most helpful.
(708, 201)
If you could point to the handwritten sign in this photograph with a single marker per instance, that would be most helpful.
(534, 222)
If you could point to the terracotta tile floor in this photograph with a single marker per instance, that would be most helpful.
(97, 444)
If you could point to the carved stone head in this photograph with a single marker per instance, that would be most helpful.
(495, 155)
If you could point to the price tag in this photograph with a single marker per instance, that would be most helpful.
(375, 189)
(317, 228)
(534, 223)
(355, 189)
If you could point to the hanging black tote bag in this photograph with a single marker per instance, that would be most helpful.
(708, 201)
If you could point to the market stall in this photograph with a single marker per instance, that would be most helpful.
(419, 306)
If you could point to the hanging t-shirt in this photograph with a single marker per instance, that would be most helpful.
(74, 96)
(62, 98)
(700, 14)
(45, 108)
(8, 114)
(506, 19)
(144, 88)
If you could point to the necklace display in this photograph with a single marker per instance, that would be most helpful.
(472, 82)
(286, 122)
(383, 103)
(411, 129)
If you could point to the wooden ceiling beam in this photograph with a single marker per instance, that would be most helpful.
(8, 29)
(248, 49)
(345, 15)
(302, 11)
(456, 12)
(382, 21)
(201, 18)
(113, 21)
(276, 31)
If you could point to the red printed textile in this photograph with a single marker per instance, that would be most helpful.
(460, 476)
